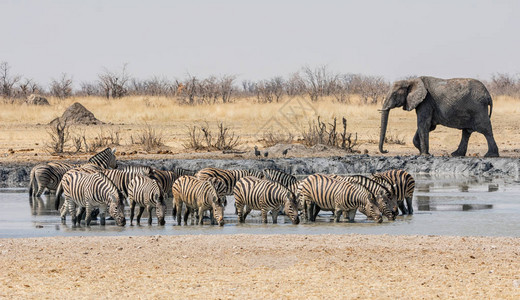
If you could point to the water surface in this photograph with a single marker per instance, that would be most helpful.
(443, 206)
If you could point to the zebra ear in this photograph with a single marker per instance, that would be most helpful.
(114, 150)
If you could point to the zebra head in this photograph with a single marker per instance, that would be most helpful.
(221, 189)
(218, 210)
(117, 209)
(371, 210)
(385, 203)
(160, 207)
(291, 207)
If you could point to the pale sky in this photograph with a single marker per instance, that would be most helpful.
(260, 39)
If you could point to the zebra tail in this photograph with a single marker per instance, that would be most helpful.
(31, 183)
(59, 191)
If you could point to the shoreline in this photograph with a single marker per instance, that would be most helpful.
(16, 174)
(255, 266)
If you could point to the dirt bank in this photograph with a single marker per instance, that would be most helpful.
(261, 266)
(17, 174)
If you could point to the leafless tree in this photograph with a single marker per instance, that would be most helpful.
(28, 87)
(504, 84)
(89, 89)
(7, 82)
(372, 89)
(319, 81)
(270, 90)
(62, 87)
(114, 85)
(226, 87)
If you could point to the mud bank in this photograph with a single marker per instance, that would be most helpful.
(17, 174)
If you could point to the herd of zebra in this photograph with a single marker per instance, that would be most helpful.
(99, 184)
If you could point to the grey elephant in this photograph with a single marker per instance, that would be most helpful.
(457, 103)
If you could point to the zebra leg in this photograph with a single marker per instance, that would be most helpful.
(186, 214)
(150, 208)
(212, 217)
(63, 211)
(200, 216)
(403, 209)
(248, 210)
(102, 214)
(409, 205)
(352, 215)
(178, 211)
(240, 213)
(88, 214)
(264, 215)
(315, 210)
(72, 212)
(337, 214)
(132, 208)
(139, 214)
(274, 215)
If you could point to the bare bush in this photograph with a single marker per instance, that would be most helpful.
(61, 88)
(28, 87)
(59, 134)
(372, 89)
(270, 138)
(149, 138)
(7, 82)
(504, 84)
(319, 132)
(203, 138)
(114, 85)
(272, 90)
(319, 82)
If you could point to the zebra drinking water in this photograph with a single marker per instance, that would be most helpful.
(89, 191)
(264, 195)
(146, 193)
(198, 195)
(404, 185)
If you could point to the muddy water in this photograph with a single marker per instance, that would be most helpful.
(443, 206)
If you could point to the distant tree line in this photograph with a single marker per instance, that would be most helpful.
(315, 83)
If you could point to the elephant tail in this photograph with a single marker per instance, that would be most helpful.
(490, 107)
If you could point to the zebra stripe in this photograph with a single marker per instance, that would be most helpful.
(287, 180)
(145, 170)
(404, 186)
(181, 172)
(105, 159)
(122, 178)
(386, 203)
(197, 195)
(264, 195)
(87, 168)
(165, 180)
(89, 191)
(337, 195)
(146, 193)
(229, 177)
(47, 176)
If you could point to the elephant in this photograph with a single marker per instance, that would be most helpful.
(457, 103)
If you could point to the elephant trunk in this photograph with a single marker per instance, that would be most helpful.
(384, 123)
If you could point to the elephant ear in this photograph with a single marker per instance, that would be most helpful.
(416, 94)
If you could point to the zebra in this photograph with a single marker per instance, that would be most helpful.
(404, 185)
(287, 180)
(145, 170)
(91, 190)
(147, 193)
(337, 195)
(181, 172)
(122, 177)
(264, 195)
(165, 180)
(229, 177)
(49, 175)
(386, 202)
(198, 195)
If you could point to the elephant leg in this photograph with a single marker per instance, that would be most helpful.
(424, 126)
(486, 129)
(416, 141)
(463, 146)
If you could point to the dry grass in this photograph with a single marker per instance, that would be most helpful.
(25, 127)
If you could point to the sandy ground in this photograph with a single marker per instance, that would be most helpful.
(261, 266)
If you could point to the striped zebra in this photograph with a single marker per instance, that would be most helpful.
(146, 193)
(338, 196)
(122, 177)
(230, 177)
(198, 196)
(287, 180)
(404, 185)
(89, 191)
(181, 172)
(264, 195)
(48, 176)
(165, 180)
(145, 170)
(386, 202)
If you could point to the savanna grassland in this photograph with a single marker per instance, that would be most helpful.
(25, 130)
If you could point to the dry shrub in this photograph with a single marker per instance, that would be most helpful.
(270, 138)
(320, 132)
(149, 138)
(59, 134)
(203, 138)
